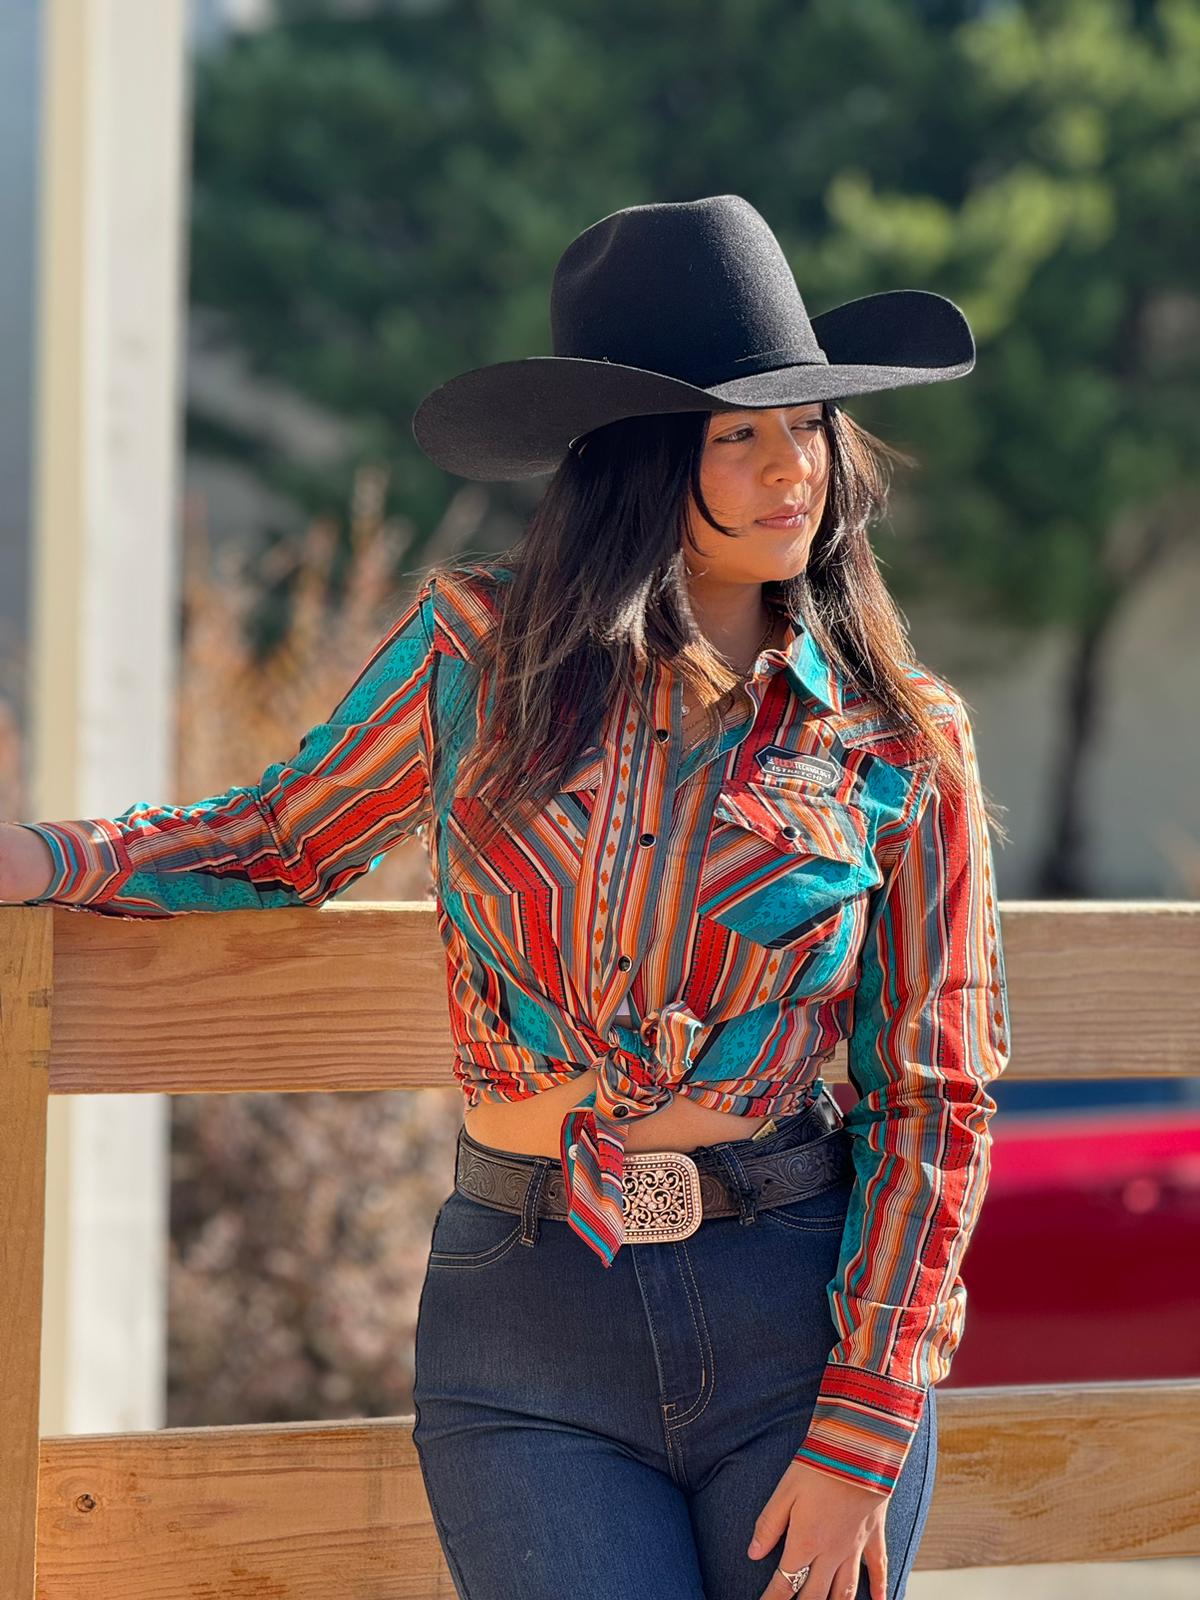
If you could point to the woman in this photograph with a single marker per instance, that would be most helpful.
(694, 815)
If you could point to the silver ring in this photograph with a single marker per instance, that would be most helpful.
(795, 1578)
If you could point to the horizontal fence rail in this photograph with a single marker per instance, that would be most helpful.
(354, 997)
(316, 1510)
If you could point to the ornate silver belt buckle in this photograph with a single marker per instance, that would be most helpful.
(661, 1199)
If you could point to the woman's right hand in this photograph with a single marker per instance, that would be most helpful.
(26, 865)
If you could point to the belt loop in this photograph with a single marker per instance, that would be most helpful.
(747, 1195)
(834, 1117)
(529, 1206)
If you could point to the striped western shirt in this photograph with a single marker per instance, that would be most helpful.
(707, 922)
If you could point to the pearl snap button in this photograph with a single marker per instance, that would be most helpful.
(624, 962)
(620, 1109)
(662, 734)
(789, 830)
(646, 838)
(571, 1150)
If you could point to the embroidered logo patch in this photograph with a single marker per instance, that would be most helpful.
(778, 762)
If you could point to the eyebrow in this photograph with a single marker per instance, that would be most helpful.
(754, 411)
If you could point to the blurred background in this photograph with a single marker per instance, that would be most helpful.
(243, 238)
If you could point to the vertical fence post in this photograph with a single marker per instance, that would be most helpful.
(26, 988)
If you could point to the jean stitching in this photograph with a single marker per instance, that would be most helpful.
(653, 1337)
(817, 1224)
(707, 1390)
(813, 1225)
(530, 1218)
(674, 1460)
(930, 1460)
(680, 1251)
(478, 1258)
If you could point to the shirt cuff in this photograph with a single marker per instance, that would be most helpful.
(88, 861)
(862, 1426)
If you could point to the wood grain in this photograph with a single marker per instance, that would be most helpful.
(26, 976)
(306, 1511)
(354, 997)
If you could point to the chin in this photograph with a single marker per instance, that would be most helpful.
(780, 574)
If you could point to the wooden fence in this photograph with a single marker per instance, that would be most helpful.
(352, 997)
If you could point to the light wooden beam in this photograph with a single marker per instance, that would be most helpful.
(302, 1511)
(354, 997)
(26, 984)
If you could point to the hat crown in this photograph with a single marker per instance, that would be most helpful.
(681, 306)
(698, 290)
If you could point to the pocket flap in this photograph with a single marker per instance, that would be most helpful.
(586, 771)
(803, 824)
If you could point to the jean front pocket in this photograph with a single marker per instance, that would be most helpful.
(468, 1234)
(826, 1209)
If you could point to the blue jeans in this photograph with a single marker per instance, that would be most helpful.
(597, 1434)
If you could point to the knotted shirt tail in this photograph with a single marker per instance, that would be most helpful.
(594, 1177)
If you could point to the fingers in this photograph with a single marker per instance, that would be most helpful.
(845, 1581)
(875, 1560)
(825, 1581)
(771, 1526)
(779, 1586)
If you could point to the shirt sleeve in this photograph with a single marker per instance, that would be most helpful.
(930, 1032)
(309, 827)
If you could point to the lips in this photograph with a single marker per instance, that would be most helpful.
(785, 514)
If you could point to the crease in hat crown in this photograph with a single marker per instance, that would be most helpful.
(681, 306)
(622, 287)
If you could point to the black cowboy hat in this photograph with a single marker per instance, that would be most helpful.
(681, 306)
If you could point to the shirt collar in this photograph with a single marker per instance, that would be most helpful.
(809, 669)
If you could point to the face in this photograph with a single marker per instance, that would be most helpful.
(754, 463)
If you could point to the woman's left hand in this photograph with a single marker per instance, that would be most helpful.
(830, 1525)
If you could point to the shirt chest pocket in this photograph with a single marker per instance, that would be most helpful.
(544, 852)
(783, 867)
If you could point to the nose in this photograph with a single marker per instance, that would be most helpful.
(796, 458)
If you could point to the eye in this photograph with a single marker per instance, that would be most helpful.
(814, 425)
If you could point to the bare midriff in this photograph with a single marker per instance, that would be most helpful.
(531, 1127)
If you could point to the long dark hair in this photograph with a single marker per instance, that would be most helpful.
(598, 585)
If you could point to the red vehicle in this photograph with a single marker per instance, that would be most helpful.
(1083, 1266)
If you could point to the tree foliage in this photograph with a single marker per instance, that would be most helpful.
(379, 203)
(382, 193)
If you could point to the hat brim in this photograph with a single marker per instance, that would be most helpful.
(515, 419)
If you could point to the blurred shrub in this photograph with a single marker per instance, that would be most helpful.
(299, 1223)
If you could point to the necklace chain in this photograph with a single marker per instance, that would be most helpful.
(770, 628)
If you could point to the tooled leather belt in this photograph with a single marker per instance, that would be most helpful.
(667, 1193)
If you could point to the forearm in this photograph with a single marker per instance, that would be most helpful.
(26, 864)
(930, 1035)
(306, 830)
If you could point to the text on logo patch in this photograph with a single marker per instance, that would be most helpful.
(779, 762)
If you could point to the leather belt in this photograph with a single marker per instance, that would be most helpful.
(667, 1193)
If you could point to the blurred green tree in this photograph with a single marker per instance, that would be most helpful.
(381, 193)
